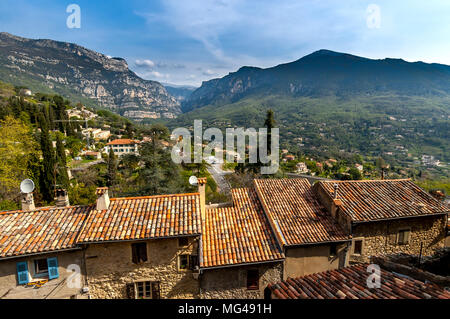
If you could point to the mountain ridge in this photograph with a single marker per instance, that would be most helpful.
(325, 73)
(83, 75)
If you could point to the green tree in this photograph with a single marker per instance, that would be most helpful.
(355, 174)
(17, 151)
(269, 123)
(49, 163)
(112, 168)
(62, 178)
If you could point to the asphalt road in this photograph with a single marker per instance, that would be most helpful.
(219, 176)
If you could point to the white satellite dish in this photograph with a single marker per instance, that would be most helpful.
(27, 186)
(193, 180)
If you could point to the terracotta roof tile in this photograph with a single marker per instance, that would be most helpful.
(123, 142)
(39, 231)
(383, 199)
(238, 234)
(296, 214)
(144, 217)
(351, 283)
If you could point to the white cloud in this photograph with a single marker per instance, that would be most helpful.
(208, 72)
(145, 63)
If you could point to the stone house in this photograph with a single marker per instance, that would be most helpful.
(240, 254)
(39, 259)
(142, 247)
(385, 216)
(312, 240)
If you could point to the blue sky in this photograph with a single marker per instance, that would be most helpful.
(187, 42)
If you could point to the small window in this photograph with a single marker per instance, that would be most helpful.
(333, 250)
(188, 262)
(183, 242)
(139, 252)
(193, 262)
(40, 266)
(357, 247)
(403, 236)
(252, 279)
(184, 262)
(147, 290)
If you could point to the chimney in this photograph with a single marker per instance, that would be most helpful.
(62, 198)
(102, 198)
(336, 187)
(27, 201)
(201, 190)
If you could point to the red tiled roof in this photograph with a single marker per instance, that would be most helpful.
(238, 234)
(38, 231)
(295, 213)
(383, 199)
(144, 217)
(123, 142)
(351, 283)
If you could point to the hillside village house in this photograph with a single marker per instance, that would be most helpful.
(142, 247)
(240, 254)
(385, 216)
(39, 253)
(312, 240)
(121, 147)
(174, 246)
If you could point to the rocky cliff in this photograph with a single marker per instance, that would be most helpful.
(83, 75)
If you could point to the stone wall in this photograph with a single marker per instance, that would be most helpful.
(51, 289)
(110, 269)
(381, 237)
(231, 282)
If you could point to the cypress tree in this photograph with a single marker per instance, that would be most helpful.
(47, 173)
(269, 124)
(62, 176)
(112, 168)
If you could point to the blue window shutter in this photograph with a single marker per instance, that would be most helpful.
(53, 272)
(22, 273)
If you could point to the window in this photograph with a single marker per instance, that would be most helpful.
(252, 279)
(40, 266)
(403, 236)
(333, 250)
(357, 247)
(147, 290)
(193, 262)
(188, 262)
(183, 242)
(139, 252)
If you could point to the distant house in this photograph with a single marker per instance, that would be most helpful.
(301, 168)
(93, 155)
(289, 158)
(121, 147)
(25, 92)
(359, 167)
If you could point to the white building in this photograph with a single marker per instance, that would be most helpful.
(123, 146)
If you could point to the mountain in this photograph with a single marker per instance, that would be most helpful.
(83, 75)
(331, 104)
(180, 92)
(326, 73)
